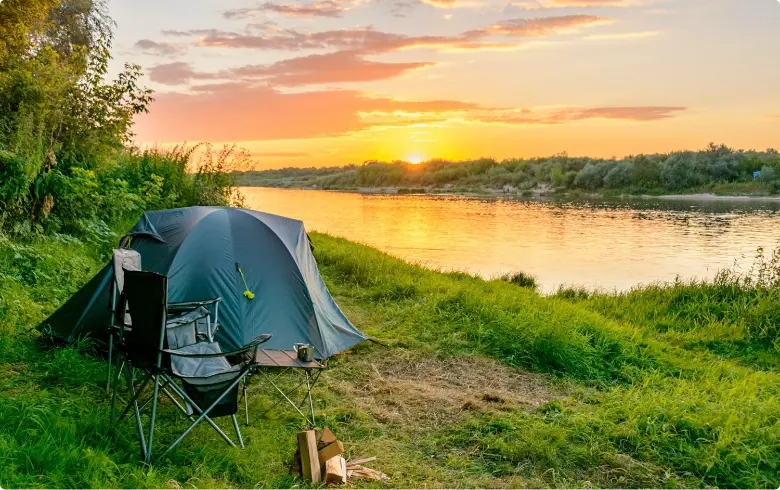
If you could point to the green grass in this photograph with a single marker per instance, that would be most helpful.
(482, 383)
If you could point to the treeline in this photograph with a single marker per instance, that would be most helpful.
(66, 159)
(755, 171)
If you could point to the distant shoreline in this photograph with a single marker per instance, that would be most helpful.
(712, 197)
(392, 191)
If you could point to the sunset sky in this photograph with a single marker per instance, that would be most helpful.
(332, 82)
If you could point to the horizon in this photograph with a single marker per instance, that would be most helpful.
(338, 82)
(509, 159)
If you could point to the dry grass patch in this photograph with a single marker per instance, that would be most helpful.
(398, 387)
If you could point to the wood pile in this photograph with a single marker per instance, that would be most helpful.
(320, 459)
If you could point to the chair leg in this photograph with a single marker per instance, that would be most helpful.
(149, 400)
(110, 353)
(204, 414)
(176, 402)
(246, 405)
(151, 424)
(135, 394)
(176, 389)
(238, 432)
(117, 374)
(134, 403)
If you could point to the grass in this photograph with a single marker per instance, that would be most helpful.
(482, 383)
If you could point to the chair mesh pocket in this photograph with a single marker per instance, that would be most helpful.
(204, 395)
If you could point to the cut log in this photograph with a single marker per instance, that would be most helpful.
(329, 451)
(310, 463)
(327, 436)
(360, 461)
(336, 470)
(295, 467)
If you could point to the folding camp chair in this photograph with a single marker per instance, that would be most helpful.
(180, 314)
(209, 383)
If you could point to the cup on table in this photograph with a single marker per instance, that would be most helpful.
(304, 351)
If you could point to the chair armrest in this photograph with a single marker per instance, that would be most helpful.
(192, 304)
(260, 339)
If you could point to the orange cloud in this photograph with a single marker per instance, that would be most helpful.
(627, 113)
(524, 116)
(633, 113)
(540, 26)
(236, 112)
(623, 36)
(248, 113)
(371, 41)
(367, 40)
(341, 66)
(326, 8)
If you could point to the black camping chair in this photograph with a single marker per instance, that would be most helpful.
(179, 314)
(209, 383)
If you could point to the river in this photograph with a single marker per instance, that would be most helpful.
(596, 244)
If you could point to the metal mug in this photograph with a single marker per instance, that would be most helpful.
(304, 351)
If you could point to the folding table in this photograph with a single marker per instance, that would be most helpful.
(281, 362)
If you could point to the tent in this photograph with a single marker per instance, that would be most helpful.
(201, 250)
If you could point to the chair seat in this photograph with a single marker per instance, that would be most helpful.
(204, 367)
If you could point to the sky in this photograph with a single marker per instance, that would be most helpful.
(302, 83)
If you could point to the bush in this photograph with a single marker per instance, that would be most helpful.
(725, 168)
(520, 279)
(591, 177)
(679, 172)
(621, 175)
(768, 174)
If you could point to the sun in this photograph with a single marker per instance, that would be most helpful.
(414, 159)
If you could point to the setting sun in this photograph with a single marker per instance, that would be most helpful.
(414, 159)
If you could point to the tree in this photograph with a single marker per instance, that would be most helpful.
(768, 174)
(621, 175)
(680, 171)
(57, 110)
(591, 177)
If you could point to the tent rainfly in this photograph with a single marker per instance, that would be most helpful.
(260, 264)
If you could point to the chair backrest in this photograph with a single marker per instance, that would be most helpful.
(147, 298)
(123, 259)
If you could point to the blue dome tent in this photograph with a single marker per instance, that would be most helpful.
(260, 264)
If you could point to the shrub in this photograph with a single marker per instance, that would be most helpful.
(621, 175)
(591, 177)
(679, 171)
(768, 174)
(521, 279)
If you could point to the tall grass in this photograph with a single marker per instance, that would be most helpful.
(735, 314)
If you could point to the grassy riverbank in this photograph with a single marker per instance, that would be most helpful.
(482, 383)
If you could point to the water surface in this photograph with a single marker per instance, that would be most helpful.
(597, 244)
